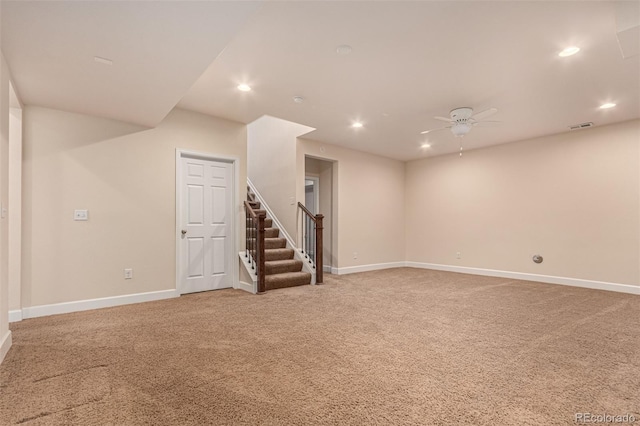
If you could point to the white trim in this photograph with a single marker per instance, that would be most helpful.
(307, 264)
(236, 208)
(270, 215)
(15, 316)
(316, 190)
(105, 302)
(5, 345)
(575, 282)
(365, 268)
(327, 268)
(245, 286)
(253, 287)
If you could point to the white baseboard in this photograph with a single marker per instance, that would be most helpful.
(15, 316)
(105, 302)
(575, 282)
(327, 268)
(245, 286)
(365, 268)
(5, 345)
(549, 279)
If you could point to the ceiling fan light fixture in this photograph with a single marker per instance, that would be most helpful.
(460, 129)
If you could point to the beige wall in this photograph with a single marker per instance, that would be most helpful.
(4, 188)
(125, 176)
(15, 207)
(369, 208)
(572, 198)
(271, 164)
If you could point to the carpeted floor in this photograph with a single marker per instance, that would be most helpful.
(393, 347)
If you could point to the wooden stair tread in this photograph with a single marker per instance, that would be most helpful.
(287, 279)
(268, 232)
(273, 267)
(278, 254)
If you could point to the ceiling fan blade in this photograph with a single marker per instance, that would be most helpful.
(487, 123)
(484, 114)
(434, 130)
(448, 120)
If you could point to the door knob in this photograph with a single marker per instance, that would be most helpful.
(184, 231)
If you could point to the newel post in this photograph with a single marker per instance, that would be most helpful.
(260, 252)
(319, 267)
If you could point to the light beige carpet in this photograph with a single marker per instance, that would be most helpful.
(394, 347)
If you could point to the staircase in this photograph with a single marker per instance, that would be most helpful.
(281, 269)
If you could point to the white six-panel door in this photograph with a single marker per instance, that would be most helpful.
(206, 228)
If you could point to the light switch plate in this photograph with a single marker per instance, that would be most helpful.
(81, 215)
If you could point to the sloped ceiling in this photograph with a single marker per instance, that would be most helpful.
(410, 61)
(158, 50)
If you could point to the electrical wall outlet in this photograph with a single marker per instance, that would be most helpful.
(81, 215)
(128, 274)
(355, 254)
(458, 255)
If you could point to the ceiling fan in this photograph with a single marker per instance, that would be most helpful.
(463, 119)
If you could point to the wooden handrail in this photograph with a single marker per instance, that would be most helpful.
(317, 222)
(257, 252)
(306, 210)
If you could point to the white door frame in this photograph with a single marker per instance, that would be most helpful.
(235, 177)
(316, 189)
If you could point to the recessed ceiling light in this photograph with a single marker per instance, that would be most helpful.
(357, 125)
(425, 145)
(244, 87)
(344, 49)
(572, 50)
(607, 105)
(298, 99)
(104, 61)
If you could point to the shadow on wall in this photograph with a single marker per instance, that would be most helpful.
(55, 125)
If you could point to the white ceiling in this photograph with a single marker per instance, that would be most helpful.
(410, 61)
(158, 50)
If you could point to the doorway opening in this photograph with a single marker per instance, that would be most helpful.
(206, 231)
(320, 197)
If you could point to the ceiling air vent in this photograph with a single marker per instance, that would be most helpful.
(581, 126)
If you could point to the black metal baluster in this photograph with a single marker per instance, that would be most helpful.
(246, 233)
(313, 241)
(253, 244)
(307, 240)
